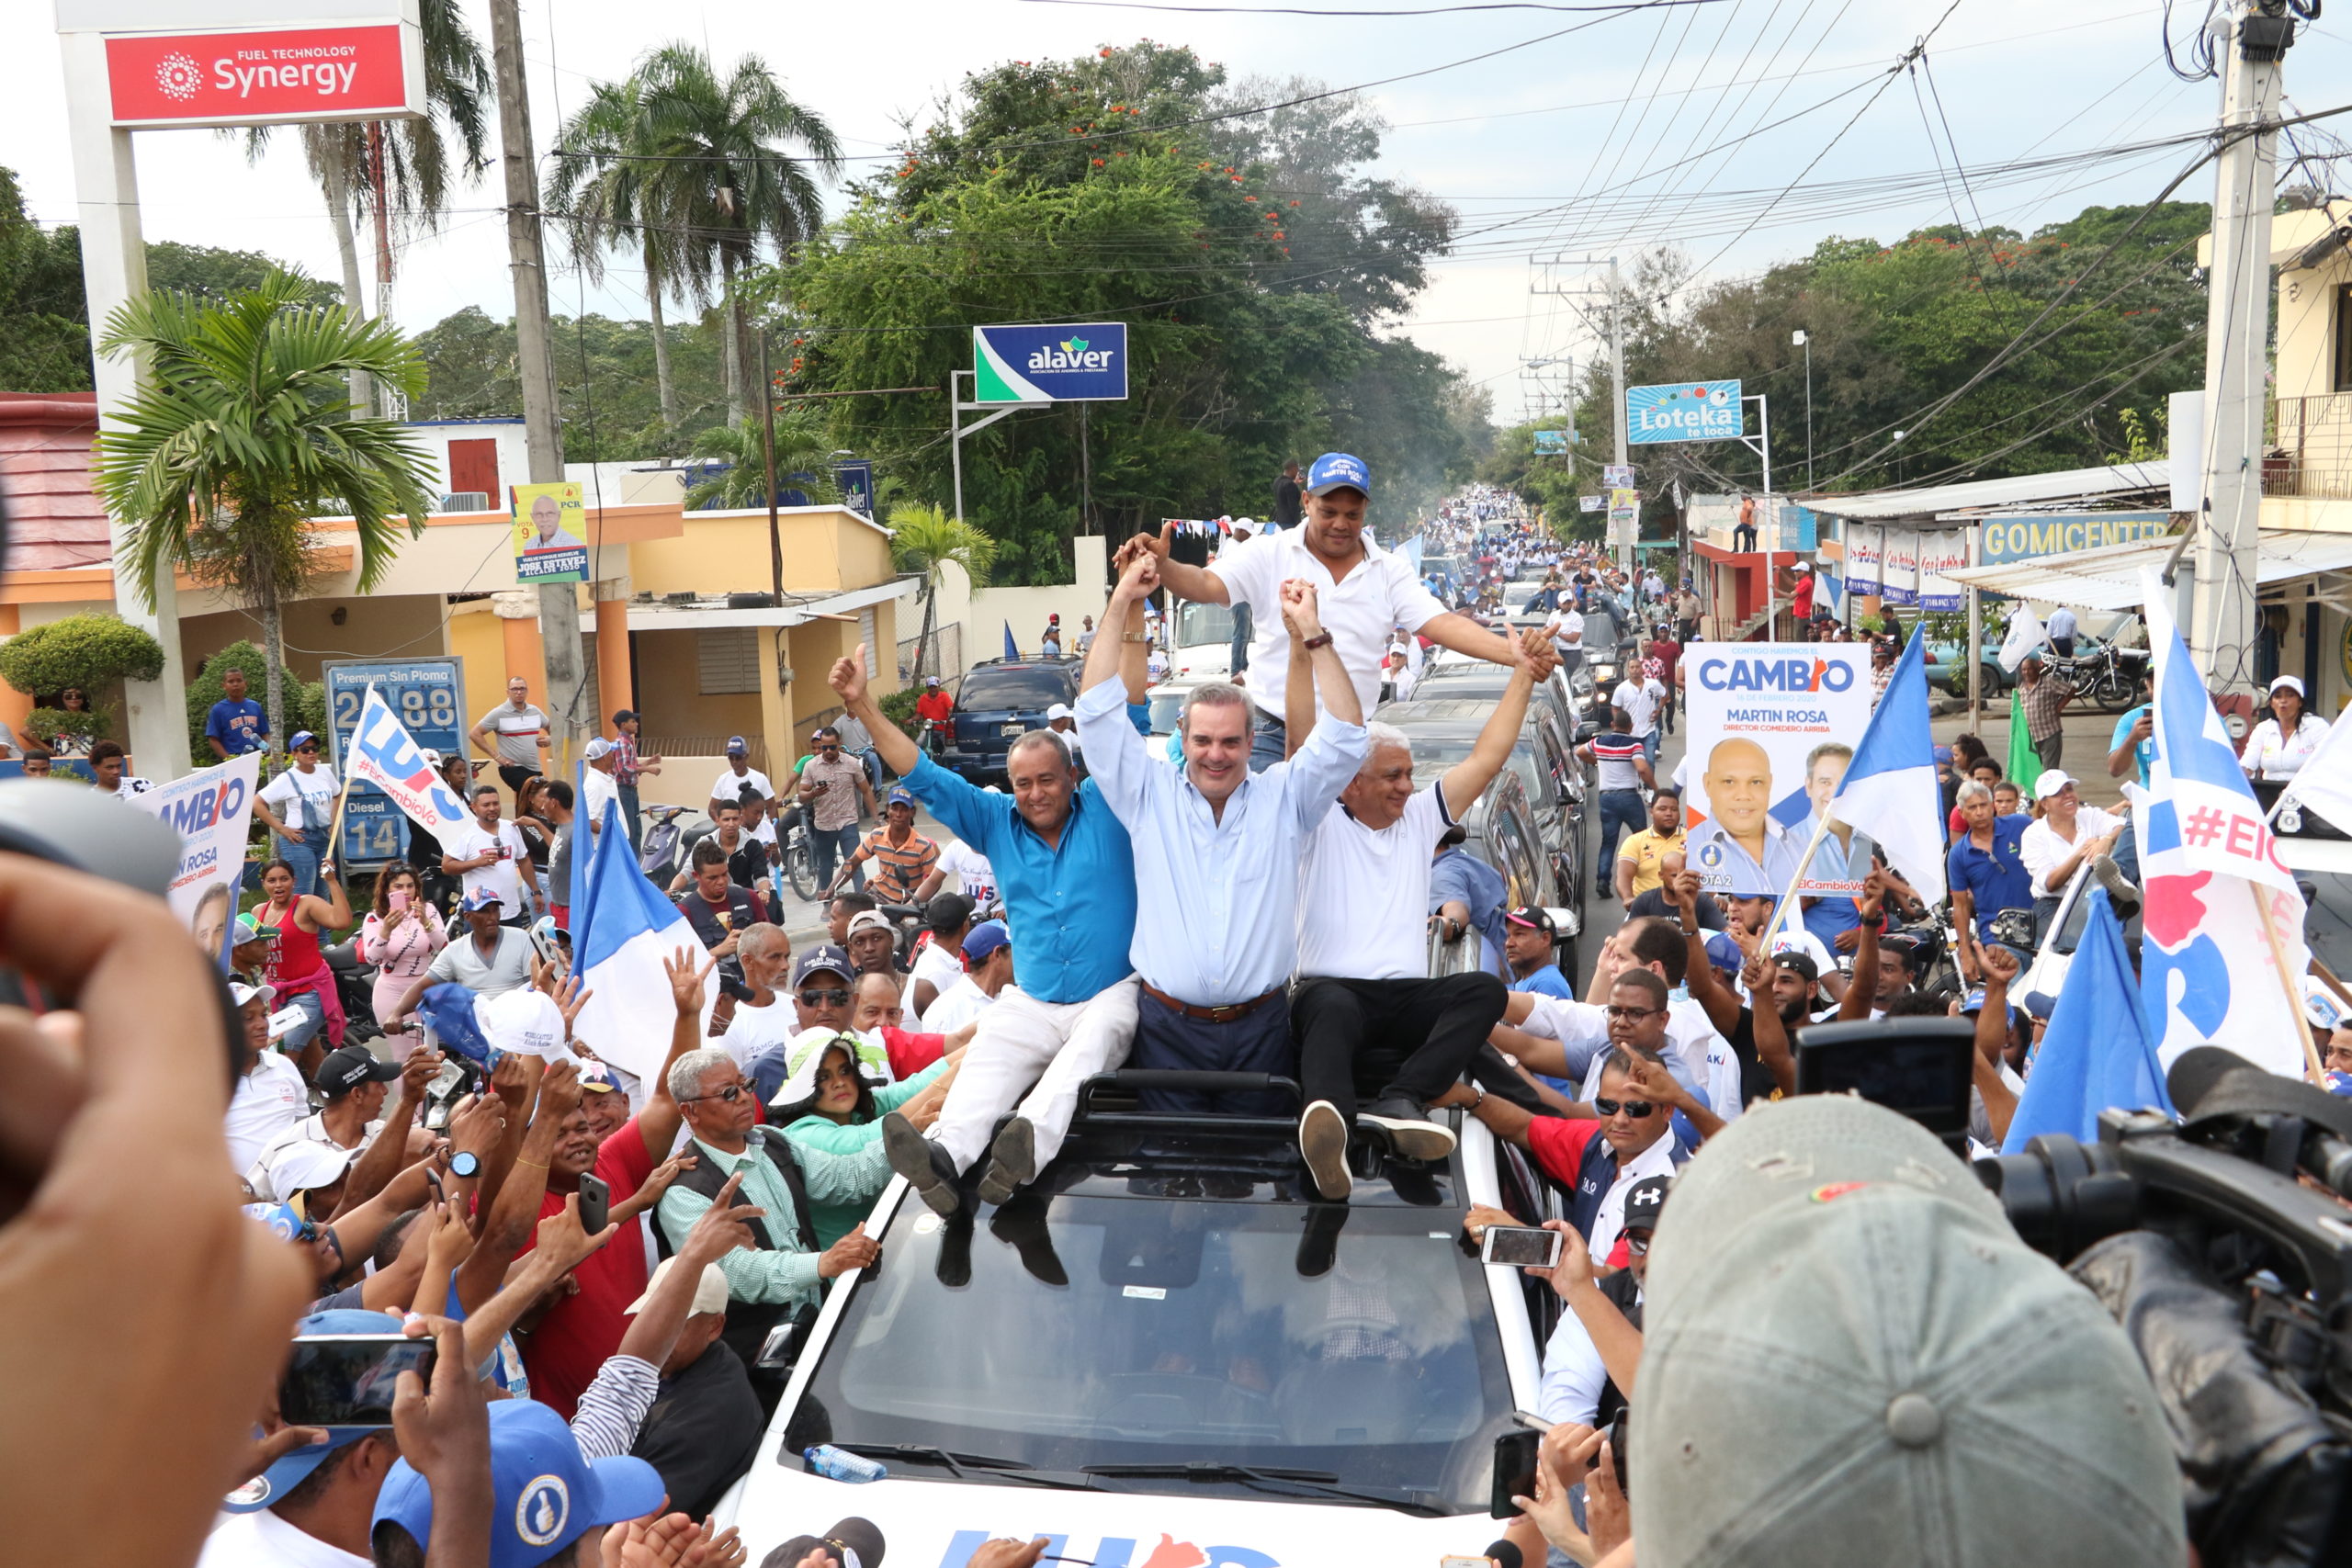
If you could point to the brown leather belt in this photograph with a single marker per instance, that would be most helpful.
(1225, 1014)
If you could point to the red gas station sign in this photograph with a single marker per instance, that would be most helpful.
(277, 73)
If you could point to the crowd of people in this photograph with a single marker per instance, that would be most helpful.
(603, 1259)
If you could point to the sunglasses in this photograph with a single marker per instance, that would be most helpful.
(1639, 1110)
(730, 1094)
(825, 999)
(1633, 1015)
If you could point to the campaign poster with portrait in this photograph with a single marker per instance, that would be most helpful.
(1760, 715)
(211, 809)
(550, 533)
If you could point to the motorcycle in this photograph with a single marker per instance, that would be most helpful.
(2108, 677)
(354, 987)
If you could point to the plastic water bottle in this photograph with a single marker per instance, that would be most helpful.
(840, 1464)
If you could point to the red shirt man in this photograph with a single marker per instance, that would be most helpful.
(579, 1332)
(935, 705)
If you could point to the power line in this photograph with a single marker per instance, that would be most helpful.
(1418, 11)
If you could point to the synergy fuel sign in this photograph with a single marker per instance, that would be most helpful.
(1080, 363)
(1683, 411)
(358, 71)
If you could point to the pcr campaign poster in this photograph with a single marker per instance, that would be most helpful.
(1758, 775)
(550, 533)
(211, 810)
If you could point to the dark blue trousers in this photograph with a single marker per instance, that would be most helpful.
(1257, 1042)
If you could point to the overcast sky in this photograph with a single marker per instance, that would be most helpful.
(1546, 150)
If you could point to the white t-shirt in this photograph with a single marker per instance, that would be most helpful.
(598, 788)
(312, 1129)
(1568, 634)
(303, 800)
(508, 967)
(940, 964)
(1640, 700)
(1361, 611)
(973, 878)
(265, 1103)
(1363, 893)
(262, 1539)
(2043, 851)
(753, 1030)
(729, 783)
(958, 1005)
(503, 877)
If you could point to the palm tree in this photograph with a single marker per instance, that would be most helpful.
(924, 539)
(245, 432)
(803, 462)
(399, 170)
(615, 182)
(725, 187)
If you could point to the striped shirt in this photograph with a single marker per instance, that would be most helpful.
(898, 869)
(1613, 753)
(614, 1405)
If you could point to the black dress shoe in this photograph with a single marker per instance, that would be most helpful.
(929, 1169)
(955, 1267)
(1406, 1127)
(1318, 1245)
(1012, 1162)
(1021, 1223)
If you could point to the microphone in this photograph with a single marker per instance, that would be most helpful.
(2196, 1073)
(1503, 1554)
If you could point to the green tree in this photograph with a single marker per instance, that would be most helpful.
(803, 462)
(87, 653)
(306, 701)
(606, 388)
(244, 434)
(45, 346)
(728, 186)
(924, 539)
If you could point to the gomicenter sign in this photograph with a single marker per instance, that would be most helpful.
(2025, 537)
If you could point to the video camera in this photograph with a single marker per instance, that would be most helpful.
(2222, 1246)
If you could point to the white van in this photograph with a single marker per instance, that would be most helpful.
(1164, 1356)
(1200, 642)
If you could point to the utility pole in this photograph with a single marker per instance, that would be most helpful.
(1617, 392)
(2250, 38)
(534, 365)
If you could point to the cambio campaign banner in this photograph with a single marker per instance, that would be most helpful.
(1765, 707)
(1864, 547)
(211, 810)
(1898, 577)
(1941, 550)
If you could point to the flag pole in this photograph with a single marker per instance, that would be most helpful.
(1783, 903)
(2294, 989)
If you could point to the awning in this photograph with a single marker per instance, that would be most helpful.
(703, 615)
(2108, 579)
(2069, 487)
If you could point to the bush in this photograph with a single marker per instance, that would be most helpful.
(306, 701)
(46, 723)
(898, 707)
(87, 652)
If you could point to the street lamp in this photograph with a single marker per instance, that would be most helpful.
(1804, 339)
(1898, 456)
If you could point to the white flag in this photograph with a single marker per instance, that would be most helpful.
(2026, 634)
(384, 754)
(2325, 780)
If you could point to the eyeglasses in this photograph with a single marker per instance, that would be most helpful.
(1639, 1245)
(1638, 1110)
(825, 999)
(730, 1094)
(1633, 1015)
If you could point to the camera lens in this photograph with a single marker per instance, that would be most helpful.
(2063, 1194)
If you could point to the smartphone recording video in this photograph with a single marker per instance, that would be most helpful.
(348, 1379)
(1520, 1247)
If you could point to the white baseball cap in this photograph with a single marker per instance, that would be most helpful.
(710, 1291)
(2291, 683)
(1060, 710)
(2052, 781)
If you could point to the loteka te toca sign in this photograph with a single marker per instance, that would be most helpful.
(237, 63)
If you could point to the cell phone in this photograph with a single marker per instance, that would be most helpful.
(1516, 1454)
(1617, 1440)
(347, 1379)
(432, 1179)
(595, 1204)
(1522, 1247)
(399, 898)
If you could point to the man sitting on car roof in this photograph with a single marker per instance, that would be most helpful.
(1066, 873)
(1367, 1010)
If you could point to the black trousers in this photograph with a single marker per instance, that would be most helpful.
(1374, 1038)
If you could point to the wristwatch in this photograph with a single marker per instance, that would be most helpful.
(465, 1163)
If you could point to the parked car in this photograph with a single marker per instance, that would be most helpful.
(1948, 668)
(1562, 699)
(1000, 701)
(1200, 642)
(1530, 825)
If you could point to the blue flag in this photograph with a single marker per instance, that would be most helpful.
(2097, 1052)
(623, 928)
(1010, 650)
(1890, 790)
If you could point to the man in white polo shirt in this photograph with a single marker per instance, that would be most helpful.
(1367, 1012)
(1363, 592)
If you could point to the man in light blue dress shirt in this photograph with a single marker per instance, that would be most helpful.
(1217, 852)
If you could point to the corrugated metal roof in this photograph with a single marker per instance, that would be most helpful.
(56, 519)
(2065, 486)
(2109, 579)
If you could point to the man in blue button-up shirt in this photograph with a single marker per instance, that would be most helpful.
(1217, 851)
(1067, 875)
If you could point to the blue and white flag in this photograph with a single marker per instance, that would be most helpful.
(2097, 1053)
(1890, 790)
(622, 930)
(2211, 877)
(1011, 650)
(383, 753)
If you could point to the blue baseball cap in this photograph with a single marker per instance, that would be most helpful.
(483, 898)
(1337, 471)
(272, 1484)
(544, 1495)
(900, 796)
(300, 738)
(985, 939)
